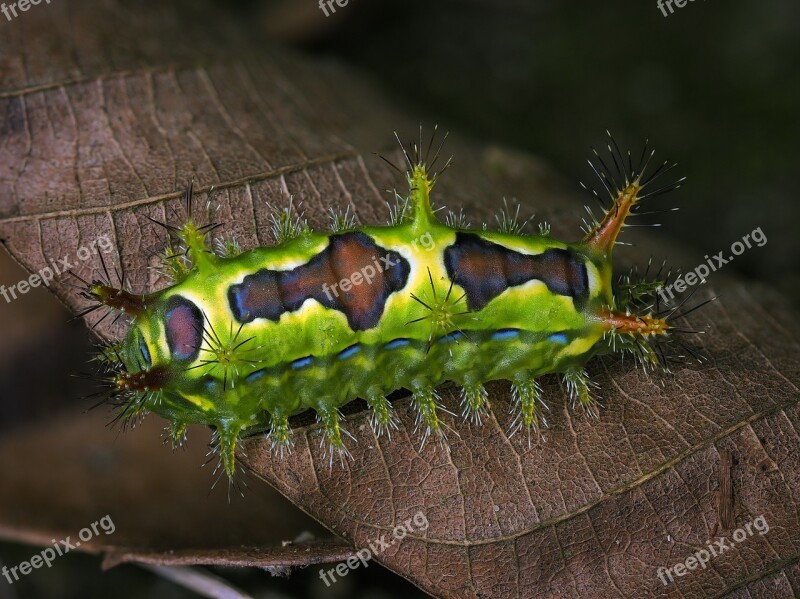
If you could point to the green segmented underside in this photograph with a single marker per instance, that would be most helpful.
(244, 339)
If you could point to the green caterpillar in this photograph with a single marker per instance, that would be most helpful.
(246, 339)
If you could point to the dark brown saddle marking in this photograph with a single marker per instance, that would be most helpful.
(353, 275)
(485, 269)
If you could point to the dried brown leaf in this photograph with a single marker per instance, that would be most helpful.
(95, 142)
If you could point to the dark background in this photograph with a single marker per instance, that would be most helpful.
(714, 86)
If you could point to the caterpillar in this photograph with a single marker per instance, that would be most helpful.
(246, 339)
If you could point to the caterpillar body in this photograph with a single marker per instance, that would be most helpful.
(246, 339)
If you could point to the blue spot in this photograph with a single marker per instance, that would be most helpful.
(302, 362)
(558, 338)
(349, 351)
(145, 351)
(254, 376)
(211, 384)
(505, 334)
(395, 343)
(454, 336)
